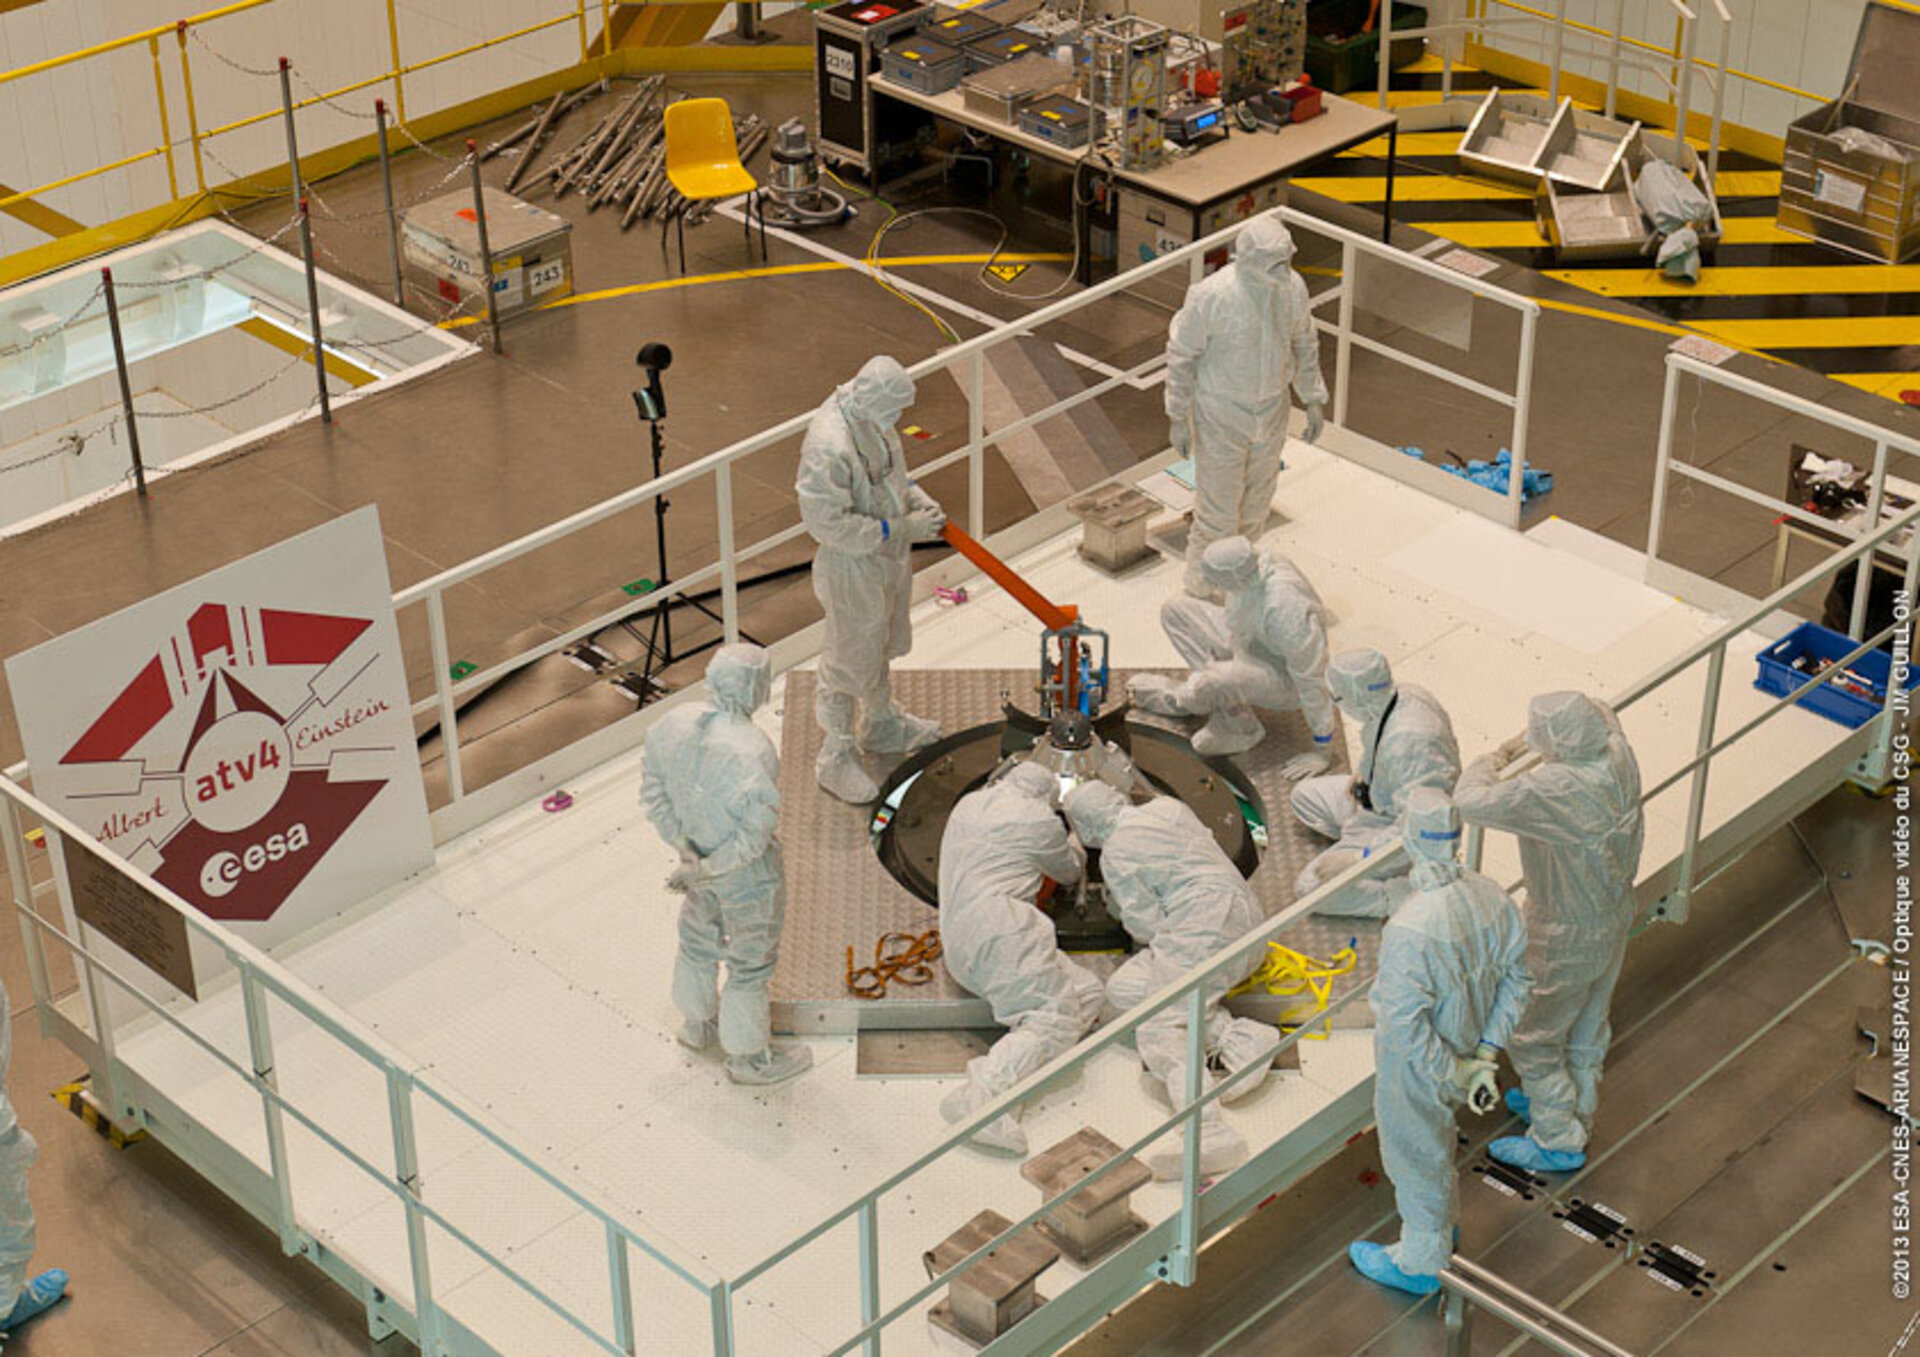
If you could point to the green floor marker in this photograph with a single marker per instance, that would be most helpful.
(637, 588)
(462, 669)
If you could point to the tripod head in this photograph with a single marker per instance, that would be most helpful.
(651, 401)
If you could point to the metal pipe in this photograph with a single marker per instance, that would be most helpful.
(1052, 616)
(486, 250)
(1464, 1267)
(193, 114)
(1383, 51)
(386, 187)
(1684, 95)
(253, 1002)
(160, 101)
(620, 1285)
(729, 567)
(1520, 1319)
(1719, 100)
(869, 1238)
(1522, 413)
(442, 686)
(1863, 580)
(977, 444)
(126, 385)
(1343, 345)
(399, 68)
(406, 1172)
(1663, 460)
(306, 244)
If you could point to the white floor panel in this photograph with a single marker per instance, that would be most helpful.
(527, 971)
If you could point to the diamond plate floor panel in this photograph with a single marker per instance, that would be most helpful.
(840, 896)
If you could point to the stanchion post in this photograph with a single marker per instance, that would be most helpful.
(306, 242)
(126, 386)
(486, 250)
(386, 187)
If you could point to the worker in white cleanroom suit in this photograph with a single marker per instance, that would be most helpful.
(1002, 844)
(858, 504)
(21, 1298)
(1451, 984)
(1267, 647)
(1183, 902)
(1406, 741)
(1242, 337)
(1577, 816)
(710, 782)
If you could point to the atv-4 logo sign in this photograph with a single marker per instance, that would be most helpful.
(225, 766)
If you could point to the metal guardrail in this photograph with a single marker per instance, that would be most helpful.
(261, 978)
(1469, 1285)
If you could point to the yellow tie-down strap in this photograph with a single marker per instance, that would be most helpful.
(1286, 973)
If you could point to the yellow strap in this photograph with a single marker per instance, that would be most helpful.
(1286, 971)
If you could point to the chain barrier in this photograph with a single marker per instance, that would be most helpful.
(296, 360)
(193, 30)
(72, 319)
(67, 445)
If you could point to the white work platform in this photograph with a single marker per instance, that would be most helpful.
(528, 970)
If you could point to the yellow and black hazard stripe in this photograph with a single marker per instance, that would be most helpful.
(78, 1099)
(1763, 290)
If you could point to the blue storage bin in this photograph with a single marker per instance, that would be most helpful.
(1849, 708)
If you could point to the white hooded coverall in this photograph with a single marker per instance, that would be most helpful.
(859, 506)
(1242, 337)
(18, 1150)
(1452, 975)
(1267, 647)
(1577, 816)
(1000, 842)
(1183, 902)
(710, 783)
(1406, 741)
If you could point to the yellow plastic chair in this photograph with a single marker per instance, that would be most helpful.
(703, 163)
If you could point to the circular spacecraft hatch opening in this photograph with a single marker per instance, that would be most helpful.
(916, 801)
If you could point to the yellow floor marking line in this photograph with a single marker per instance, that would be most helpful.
(1848, 332)
(1888, 384)
(1409, 188)
(1525, 235)
(1780, 281)
(774, 271)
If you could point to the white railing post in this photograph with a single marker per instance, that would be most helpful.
(1181, 1264)
(1343, 340)
(1719, 98)
(1863, 578)
(1894, 704)
(260, 1047)
(1683, 97)
(869, 1228)
(720, 1305)
(620, 1289)
(1384, 51)
(90, 984)
(729, 562)
(15, 845)
(1522, 417)
(1677, 905)
(1613, 56)
(1663, 461)
(443, 689)
(1475, 847)
(977, 444)
(406, 1172)
(1559, 49)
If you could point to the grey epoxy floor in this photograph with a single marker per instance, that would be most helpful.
(495, 447)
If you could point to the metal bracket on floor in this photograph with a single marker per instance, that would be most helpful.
(1175, 1268)
(1595, 1223)
(78, 1098)
(1676, 1269)
(380, 1326)
(1509, 1181)
(1672, 908)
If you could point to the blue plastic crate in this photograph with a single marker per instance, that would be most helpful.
(1778, 676)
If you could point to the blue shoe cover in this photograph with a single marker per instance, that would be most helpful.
(36, 1297)
(1372, 1261)
(1522, 1152)
(1520, 1105)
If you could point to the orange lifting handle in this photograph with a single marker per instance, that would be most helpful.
(1053, 616)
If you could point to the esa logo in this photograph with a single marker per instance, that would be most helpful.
(222, 872)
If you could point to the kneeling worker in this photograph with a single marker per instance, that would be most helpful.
(1183, 902)
(858, 504)
(1267, 647)
(1001, 844)
(1406, 741)
(1451, 984)
(710, 782)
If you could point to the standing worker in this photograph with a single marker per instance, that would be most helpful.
(1452, 981)
(1002, 844)
(21, 1299)
(858, 504)
(710, 783)
(1577, 816)
(1406, 741)
(1267, 647)
(1243, 336)
(1183, 902)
